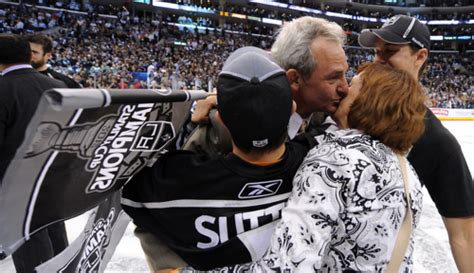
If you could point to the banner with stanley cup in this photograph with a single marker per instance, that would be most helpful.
(81, 146)
(93, 248)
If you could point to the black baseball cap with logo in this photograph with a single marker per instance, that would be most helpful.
(399, 29)
(254, 98)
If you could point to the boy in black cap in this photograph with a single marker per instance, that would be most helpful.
(222, 210)
(403, 42)
(399, 29)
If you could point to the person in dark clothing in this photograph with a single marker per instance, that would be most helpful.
(21, 88)
(403, 42)
(219, 210)
(41, 50)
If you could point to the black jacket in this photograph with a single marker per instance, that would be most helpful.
(20, 92)
(70, 83)
(439, 162)
(208, 209)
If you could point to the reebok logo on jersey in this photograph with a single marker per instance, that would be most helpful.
(260, 189)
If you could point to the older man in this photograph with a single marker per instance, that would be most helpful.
(311, 51)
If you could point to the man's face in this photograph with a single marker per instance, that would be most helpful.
(340, 116)
(397, 56)
(38, 58)
(327, 85)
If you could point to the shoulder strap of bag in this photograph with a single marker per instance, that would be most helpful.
(403, 238)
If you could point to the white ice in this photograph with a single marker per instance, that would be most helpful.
(432, 250)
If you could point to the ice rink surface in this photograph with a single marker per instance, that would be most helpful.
(432, 251)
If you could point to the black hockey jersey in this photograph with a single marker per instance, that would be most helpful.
(212, 211)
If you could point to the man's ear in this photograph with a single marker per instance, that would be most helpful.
(294, 78)
(48, 56)
(421, 56)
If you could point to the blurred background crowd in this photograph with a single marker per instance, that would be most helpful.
(102, 45)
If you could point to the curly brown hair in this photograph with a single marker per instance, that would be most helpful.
(390, 107)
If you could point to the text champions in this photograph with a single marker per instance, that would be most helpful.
(109, 156)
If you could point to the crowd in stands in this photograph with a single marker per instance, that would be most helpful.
(451, 80)
(272, 13)
(199, 21)
(75, 5)
(104, 52)
(348, 25)
(425, 3)
(262, 11)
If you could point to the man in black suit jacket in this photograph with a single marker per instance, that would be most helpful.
(21, 88)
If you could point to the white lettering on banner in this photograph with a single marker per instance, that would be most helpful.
(98, 239)
(147, 142)
(132, 127)
(110, 154)
(141, 115)
(218, 231)
(121, 121)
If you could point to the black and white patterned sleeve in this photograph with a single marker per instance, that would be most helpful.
(311, 218)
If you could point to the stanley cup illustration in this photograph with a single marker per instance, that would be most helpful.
(83, 139)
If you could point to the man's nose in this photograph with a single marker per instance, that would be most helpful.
(343, 88)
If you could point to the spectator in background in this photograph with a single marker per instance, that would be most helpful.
(41, 49)
(118, 48)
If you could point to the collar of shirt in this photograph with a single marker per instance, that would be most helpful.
(15, 67)
(295, 123)
(329, 125)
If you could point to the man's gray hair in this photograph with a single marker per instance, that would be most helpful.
(292, 47)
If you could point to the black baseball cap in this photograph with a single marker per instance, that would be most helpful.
(399, 29)
(254, 98)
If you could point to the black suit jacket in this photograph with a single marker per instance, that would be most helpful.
(70, 83)
(20, 92)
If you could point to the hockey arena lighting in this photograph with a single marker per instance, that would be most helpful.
(173, 6)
